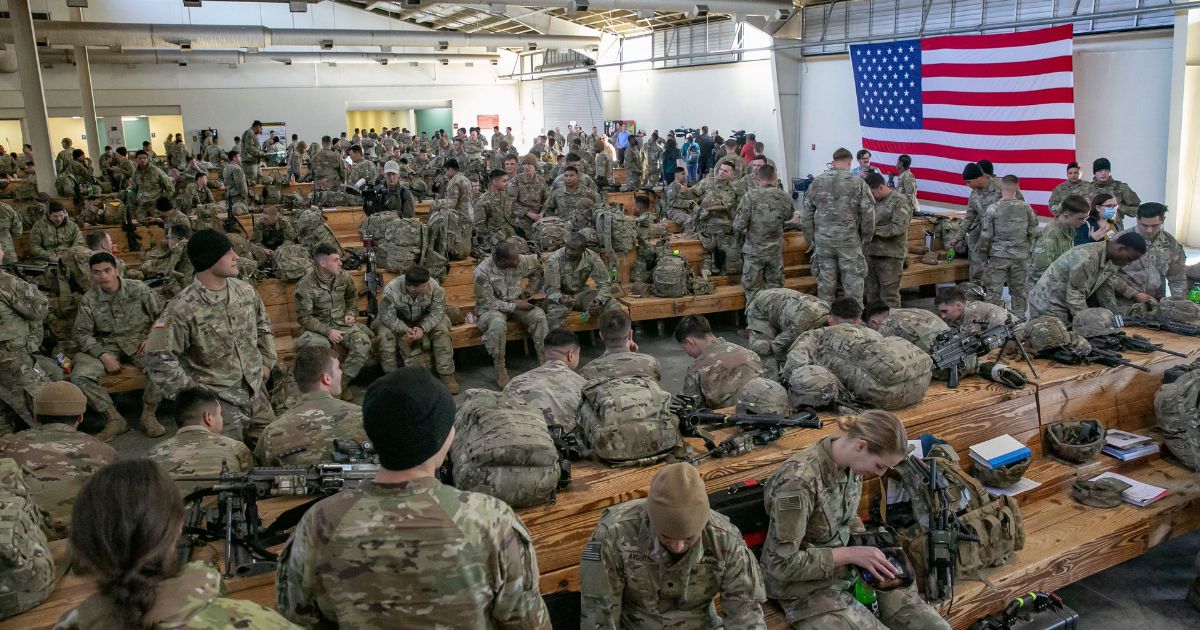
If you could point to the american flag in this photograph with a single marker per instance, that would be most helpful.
(947, 101)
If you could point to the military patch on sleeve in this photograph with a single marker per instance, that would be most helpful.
(789, 503)
(591, 552)
(161, 322)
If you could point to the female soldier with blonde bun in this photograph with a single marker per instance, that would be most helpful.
(812, 499)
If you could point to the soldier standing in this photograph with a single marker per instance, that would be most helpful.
(198, 448)
(252, 154)
(567, 272)
(237, 189)
(621, 357)
(328, 169)
(984, 193)
(327, 311)
(499, 296)
(554, 388)
(475, 567)
(495, 208)
(148, 183)
(55, 457)
(1163, 267)
(529, 195)
(813, 499)
(838, 218)
(602, 166)
(1083, 272)
(1075, 185)
(458, 189)
(775, 317)
(761, 214)
(1103, 182)
(632, 161)
(720, 368)
(889, 244)
(718, 199)
(905, 181)
(308, 432)
(363, 172)
(216, 334)
(1008, 227)
(1057, 236)
(412, 318)
(22, 310)
(111, 328)
(647, 564)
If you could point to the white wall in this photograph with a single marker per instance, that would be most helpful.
(1122, 102)
(724, 97)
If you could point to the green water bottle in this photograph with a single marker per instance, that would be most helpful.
(1194, 293)
(950, 256)
(866, 596)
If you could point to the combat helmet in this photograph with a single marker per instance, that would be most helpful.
(813, 386)
(1004, 476)
(1047, 332)
(1078, 441)
(763, 396)
(1095, 322)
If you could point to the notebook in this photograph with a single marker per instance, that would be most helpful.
(999, 451)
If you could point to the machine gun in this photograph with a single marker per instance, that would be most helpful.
(741, 443)
(1136, 343)
(128, 225)
(234, 516)
(1158, 323)
(945, 534)
(1097, 355)
(756, 429)
(27, 269)
(950, 350)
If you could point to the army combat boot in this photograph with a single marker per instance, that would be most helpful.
(450, 382)
(501, 373)
(115, 426)
(150, 425)
(347, 393)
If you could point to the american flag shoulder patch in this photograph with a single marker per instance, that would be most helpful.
(161, 322)
(591, 552)
(789, 502)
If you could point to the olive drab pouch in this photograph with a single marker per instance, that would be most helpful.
(502, 448)
(628, 419)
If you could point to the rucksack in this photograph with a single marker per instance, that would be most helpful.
(502, 447)
(291, 262)
(628, 420)
(550, 233)
(334, 198)
(995, 520)
(450, 233)
(617, 232)
(28, 575)
(671, 274)
(1177, 407)
(693, 153)
(401, 245)
(882, 372)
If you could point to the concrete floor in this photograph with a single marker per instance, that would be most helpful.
(1146, 592)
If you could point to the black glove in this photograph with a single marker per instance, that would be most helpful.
(1007, 376)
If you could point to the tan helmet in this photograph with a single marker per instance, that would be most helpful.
(1004, 476)
(1077, 441)
(1095, 322)
(813, 386)
(1046, 332)
(763, 396)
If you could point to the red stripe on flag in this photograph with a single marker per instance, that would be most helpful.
(995, 70)
(1023, 156)
(999, 99)
(1003, 40)
(1001, 128)
(1027, 183)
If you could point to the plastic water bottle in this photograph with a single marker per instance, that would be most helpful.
(950, 256)
(1194, 293)
(471, 318)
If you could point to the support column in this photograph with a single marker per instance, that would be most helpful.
(83, 64)
(785, 65)
(32, 93)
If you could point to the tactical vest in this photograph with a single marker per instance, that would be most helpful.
(28, 573)
(1177, 407)
(628, 420)
(501, 447)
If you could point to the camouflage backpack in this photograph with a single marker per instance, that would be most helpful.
(549, 234)
(628, 420)
(996, 521)
(291, 262)
(65, 185)
(617, 232)
(334, 198)
(1095, 322)
(1177, 407)
(501, 447)
(25, 192)
(1174, 310)
(110, 212)
(883, 372)
(672, 275)
(450, 233)
(402, 245)
(28, 573)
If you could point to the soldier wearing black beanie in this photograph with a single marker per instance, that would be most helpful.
(408, 415)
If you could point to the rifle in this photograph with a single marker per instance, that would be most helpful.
(234, 517)
(950, 350)
(1157, 323)
(1097, 355)
(27, 269)
(741, 443)
(372, 279)
(128, 225)
(1137, 343)
(231, 222)
(569, 450)
(945, 534)
(687, 408)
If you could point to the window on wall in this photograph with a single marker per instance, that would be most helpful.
(863, 20)
(696, 45)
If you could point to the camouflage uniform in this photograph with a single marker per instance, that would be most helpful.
(237, 188)
(418, 554)
(148, 185)
(972, 225)
(563, 202)
(761, 215)
(775, 317)
(552, 388)
(400, 310)
(888, 249)
(585, 181)
(220, 341)
(714, 223)
(272, 236)
(602, 166)
(654, 153)
(47, 239)
(195, 196)
(56, 461)
(328, 169)
(622, 363)
(1082, 272)
(838, 218)
(1066, 189)
(1007, 229)
(1053, 241)
(363, 170)
(177, 156)
(634, 167)
(496, 214)
(120, 173)
(400, 200)
(312, 231)
(322, 304)
(496, 293)
(77, 268)
(174, 264)
(189, 600)
(529, 195)
(719, 373)
(680, 207)
(906, 184)
(813, 504)
(1127, 200)
(194, 450)
(251, 155)
(564, 277)
(974, 312)
(22, 310)
(305, 434)
(10, 225)
(458, 193)
(117, 324)
(1164, 265)
(629, 580)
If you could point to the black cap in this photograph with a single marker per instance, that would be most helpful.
(408, 415)
(986, 167)
(1101, 164)
(451, 163)
(206, 247)
(971, 171)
